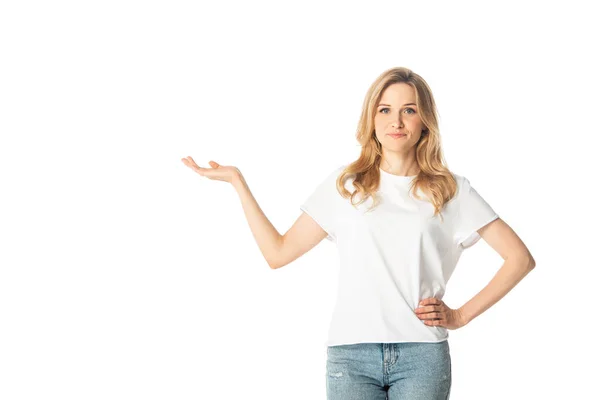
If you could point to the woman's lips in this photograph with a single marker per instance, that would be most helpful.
(397, 135)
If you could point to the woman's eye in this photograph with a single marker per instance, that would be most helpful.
(385, 108)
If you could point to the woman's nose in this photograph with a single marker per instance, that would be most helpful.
(397, 121)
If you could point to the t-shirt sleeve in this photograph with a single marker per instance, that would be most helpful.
(323, 205)
(473, 214)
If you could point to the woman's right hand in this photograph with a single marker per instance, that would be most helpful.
(218, 172)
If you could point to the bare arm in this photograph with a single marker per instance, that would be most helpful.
(518, 262)
(266, 236)
(278, 250)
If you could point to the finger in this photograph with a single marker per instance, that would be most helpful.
(188, 161)
(426, 309)
(429, 300)
(434, 322)
(432, 315)
(426, 301)
(195, 167)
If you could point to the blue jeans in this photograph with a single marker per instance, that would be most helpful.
(393, 371)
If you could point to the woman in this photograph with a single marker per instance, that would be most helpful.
(400, 220)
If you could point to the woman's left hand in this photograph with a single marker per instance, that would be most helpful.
(434, 312)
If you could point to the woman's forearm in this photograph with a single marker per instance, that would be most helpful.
(512, 271)
(265, 234)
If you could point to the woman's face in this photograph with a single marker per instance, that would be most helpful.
(397, 112)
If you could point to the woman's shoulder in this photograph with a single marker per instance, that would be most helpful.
(457, 177)
(342, 167)
(460, 179)
(337, 171)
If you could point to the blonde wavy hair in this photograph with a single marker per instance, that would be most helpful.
(434, 178)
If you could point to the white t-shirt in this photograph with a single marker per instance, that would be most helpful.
(393, 256)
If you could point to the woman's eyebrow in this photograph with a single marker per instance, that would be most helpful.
(409, 104)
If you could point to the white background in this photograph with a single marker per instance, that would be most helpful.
(125, 275)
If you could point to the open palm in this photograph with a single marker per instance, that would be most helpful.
(218, 172)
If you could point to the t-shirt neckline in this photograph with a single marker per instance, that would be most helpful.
(396, 178)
